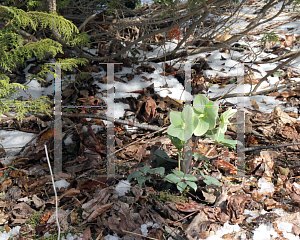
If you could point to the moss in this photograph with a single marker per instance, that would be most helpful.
(35, 218)
(166, 196)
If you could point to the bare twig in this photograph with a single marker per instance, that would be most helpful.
(55, 193)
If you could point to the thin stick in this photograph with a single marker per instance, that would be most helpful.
(271, 146)
(116, 120)
(139, 235)
(274, 70)
(55, 193)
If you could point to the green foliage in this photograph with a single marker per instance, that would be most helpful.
(166, 196)
(208, 179)
(278, 74)
(200, 120)
(35, 218)
(162, 157)
(143, 174)
(8, 90)
(32, 5)
(182, 180)
(183, 123)
(81, 40)
(18, 44)
(269, 37)
(207, 113)
(176, 142)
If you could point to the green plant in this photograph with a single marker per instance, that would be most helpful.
(199, 120)
(208, 179)
(269, 37)
(35, 218)
(182, 180)
(218, 135)
(144, 173)
(18, 41)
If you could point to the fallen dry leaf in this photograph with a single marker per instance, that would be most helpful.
(281, 117)
(98, 211)
(223, 38)
(271, 204)
(235, 207)
(254, 104)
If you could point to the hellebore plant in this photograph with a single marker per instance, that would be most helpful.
(201, 119)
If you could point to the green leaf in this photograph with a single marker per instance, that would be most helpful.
(145, 169)
(201, 128)
(225, 119)
(134, 174)
(141, 181)
(178, 173)
(163, 157)
(199, 104)
(277, 74)
(233, 80)
(184, 135)
(147, 178)
(200, 156)
(174, 131)
(176, 142)
(211, 180)
(192, 185)
(172, 178)
(190, 177)
(161, 153)
(175, 118)
(181, 186)
(227, 142)
(160, 171)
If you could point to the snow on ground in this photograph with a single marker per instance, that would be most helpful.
(11, 234)
(13, 140)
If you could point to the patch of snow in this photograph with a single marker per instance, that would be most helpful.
(144, 227)
(68, 140)
(265, 186)
(227, 228)
(122, 187)
(264, 232)
(112, 237)
(13, 141)
(13, 232)
(296, 185)
(61, 183)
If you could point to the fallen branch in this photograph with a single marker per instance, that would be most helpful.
(249, 149)
(255, 93)
(290, 54)
(116, 120)
(274, 70)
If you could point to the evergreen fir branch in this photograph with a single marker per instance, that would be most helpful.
(7, 89)
(81, 40)
(33, 19)
(32, 4)
(21, 108)
(15, 48)
(10, 59)
(68, 63)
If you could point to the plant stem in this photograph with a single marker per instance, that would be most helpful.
(189, 159)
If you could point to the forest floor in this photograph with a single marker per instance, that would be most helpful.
(258, 201)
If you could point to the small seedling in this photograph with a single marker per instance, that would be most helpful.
(208, 179)
(144, 173)
(182, 180)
